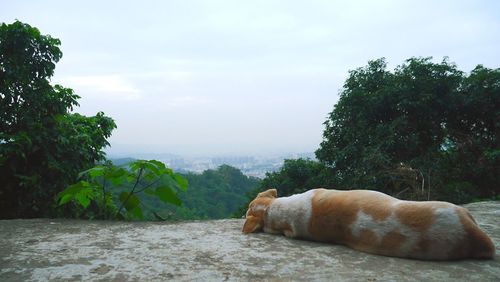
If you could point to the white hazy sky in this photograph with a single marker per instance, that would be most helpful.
(241, 77)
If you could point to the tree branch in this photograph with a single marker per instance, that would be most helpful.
(131, 192)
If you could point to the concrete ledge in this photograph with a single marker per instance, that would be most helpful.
(45, 249)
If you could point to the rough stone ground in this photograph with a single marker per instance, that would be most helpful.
(56, 249)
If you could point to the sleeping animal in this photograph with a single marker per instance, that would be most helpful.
(372, 222)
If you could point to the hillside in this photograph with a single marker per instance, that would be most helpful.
(43, 249)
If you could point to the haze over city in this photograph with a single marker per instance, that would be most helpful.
(235, 77)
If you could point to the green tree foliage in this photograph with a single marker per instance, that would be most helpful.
(42, 145)
(110, 192)
(216, 193)
(426, 128)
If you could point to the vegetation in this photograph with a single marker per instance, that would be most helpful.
(213, 194)
(216, 193)
(106, 185)
(43, 146)
(426, 128)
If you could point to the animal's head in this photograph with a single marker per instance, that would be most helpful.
(257, 210)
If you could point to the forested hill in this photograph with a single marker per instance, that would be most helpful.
(216, 193)
(213, 194)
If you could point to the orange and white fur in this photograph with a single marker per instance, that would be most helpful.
(372, 222)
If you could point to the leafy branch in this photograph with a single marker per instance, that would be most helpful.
(151, 177)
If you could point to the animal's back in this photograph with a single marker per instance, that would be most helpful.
(377, 223)
(334, 212)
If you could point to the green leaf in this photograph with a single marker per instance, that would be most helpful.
(181, 181)
(152, 167)
(136, 165)
(114, 171)
(75, 188)
(123, 196)
(149, 176)
(94, 172)
(82, 192)
(137, 212)
(117, 176)
(131, 178)
(131, 202)
(117, 181)
(161, 167)
(76, 192)
(97, 171)
(83, 199)
(168, 196)
(65, 198)
(159, 164)
(150, 191)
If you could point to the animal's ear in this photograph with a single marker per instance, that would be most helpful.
(252, 224)
(271, 193)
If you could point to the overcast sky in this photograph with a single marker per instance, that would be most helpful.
(241, 77)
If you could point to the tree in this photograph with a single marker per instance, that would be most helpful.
(43, 145)
(474, 135)
(424, 126)
(297, 176)
(216, 193)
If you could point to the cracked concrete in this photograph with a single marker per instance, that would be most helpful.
(75, 250)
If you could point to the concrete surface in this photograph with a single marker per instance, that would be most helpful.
(73, 250)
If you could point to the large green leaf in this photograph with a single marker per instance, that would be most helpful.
(136, 166)
(161, 167)
(94, 172)
(73, 189)
(149, 176)
(152, 167)
(158, 164)
(137, 212)
(84, 197)
(117, 176)
(168, 196)
(65, 198)
(129, 202)
(82, 192)
(181, 181)
(150, 191)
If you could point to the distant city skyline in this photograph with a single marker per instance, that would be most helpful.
(241, 78)
(250, 165)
